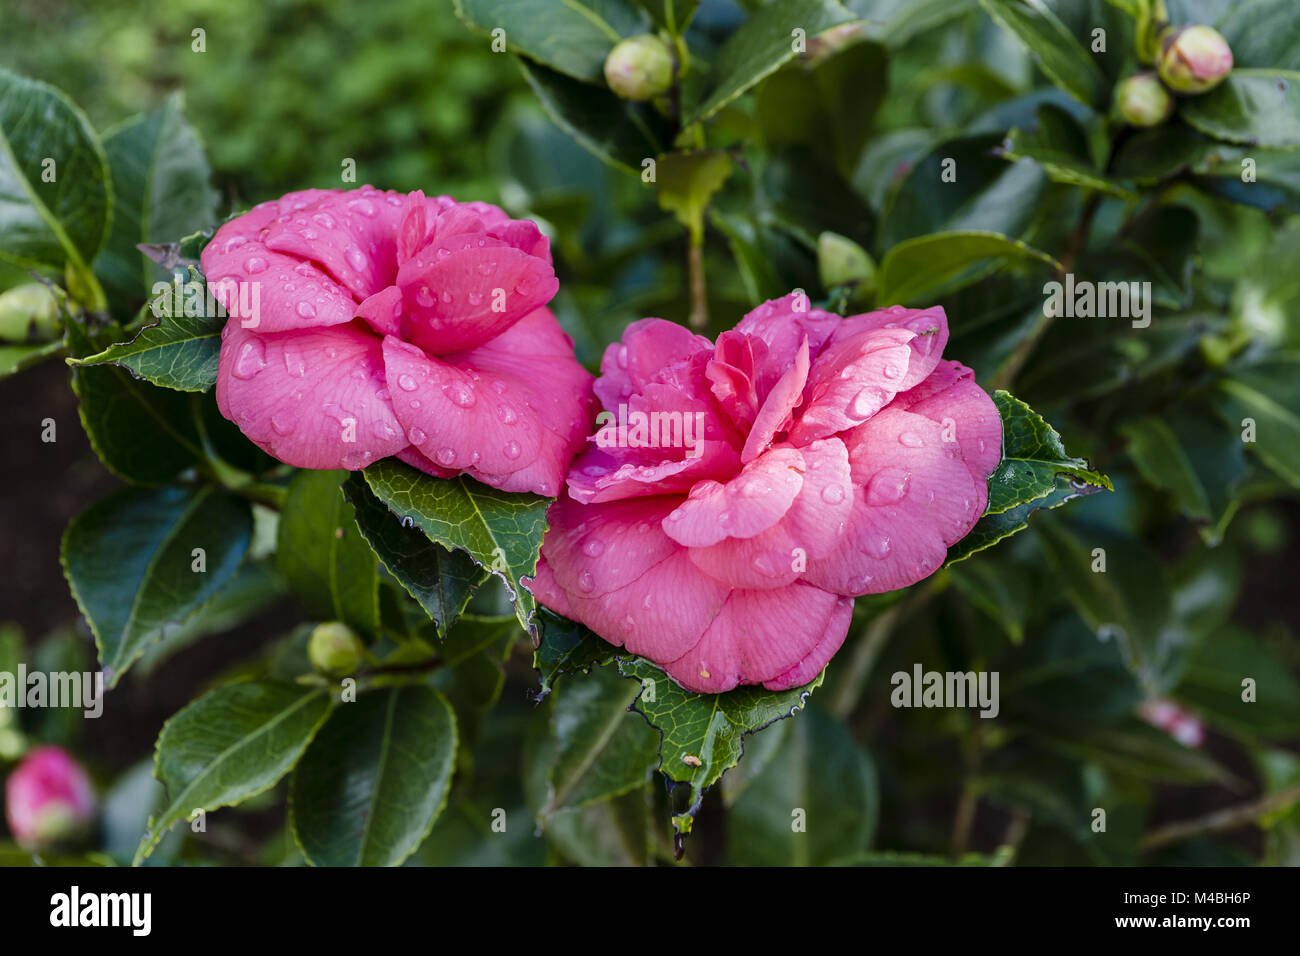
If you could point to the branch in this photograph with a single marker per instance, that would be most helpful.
(1221, 821)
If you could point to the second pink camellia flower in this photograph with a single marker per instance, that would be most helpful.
(739, 495)
(369, 324)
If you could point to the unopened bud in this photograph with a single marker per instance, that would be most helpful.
(639, 68)
(28, 311)
(841, 261)
(334, 649)
(1193, 59)
(1141, 100)
(49, 799)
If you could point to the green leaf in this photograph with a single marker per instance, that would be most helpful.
(323, 555)
(1126, 599)
(161, 186)
(1138, 750)
(1160, 458)
(1212, 683)
(1052, 45)
(999, 589)
(566, 647)
(65, 220)
(919, 268)
(374, 779)
(1255, 107)
(1060, 146)
(1151, 154)
(229, 745)
(963, 184)
(992, 528)
(440, 580)
(1032, 457)
(140, 433)
(702, 735)
(685, 182)
(1269, 393)
(177, 352)
(602, 750)
(819, 776)
(829, 103)
(130, 560)
(1262, 33)
(763, 44)
(621, 133)
(573, 37)
(500, 530)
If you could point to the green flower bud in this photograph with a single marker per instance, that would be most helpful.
(1140, 100)
(841, 261)
(639, 68)
(334, 649)
(28, 311)
(1193, 59)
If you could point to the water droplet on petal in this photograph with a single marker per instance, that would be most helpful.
(324, 219)
(424, 296)
(593, 547)
(586, 583)
(833, 494)
(506, 414)
(284, 421)
(251, 359)
(234, 242)
(867, 402)
(406, 383)
(417, 436)
(446, 456)
(306, 310)
(621, 356)
(256, 264)
(888, 487)
(363, 206)
(356, 259)
(460, 393)
(512, 449)
(911, 440)
(878, 547)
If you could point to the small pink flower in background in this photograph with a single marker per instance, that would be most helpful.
(1184, 726)
(832, 458)
(383, 324)
(48, 798)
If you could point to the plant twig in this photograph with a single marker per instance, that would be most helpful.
(1220, 821)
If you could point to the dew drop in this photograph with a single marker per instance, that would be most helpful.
(284, 421)
(446, 456)
(306, 310)
(424, 296)
(586, 583)
(512, 449)
(460, 393)
(867, 402)
(251, 359)
(621, 356)
(234, 242)
(255, 264)
(356, 259)
(363, 206)
(888, 487)
(506, 414)
(416, 436)
(878, 546)
(593, 547)
(832, 494)
(911, 440)
(406, 383)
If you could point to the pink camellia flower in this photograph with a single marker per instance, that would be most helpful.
(366, 324)
(740, 494)
(48, 798)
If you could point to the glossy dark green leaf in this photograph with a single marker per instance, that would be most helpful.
(829, 103)
(1255, 107)
(573, 37)
(1262, 33)
(702, 735)
(761, 46)
(162, 192)
(1155, 450)
(619, 132)
(602, 749)
(376, 776)
(566, 647)
(1213, 684)
(815, 801)
(500, 530)
(229, 745)
(324, 557)
(177, 352)
(440, 580)
(992, 528)
(685, 182)
(1269, 394)
(1053, 46)
(133, 563)
(51, 214)
(919, 268)
(1033, 455)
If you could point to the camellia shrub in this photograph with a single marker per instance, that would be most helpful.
(847, 438)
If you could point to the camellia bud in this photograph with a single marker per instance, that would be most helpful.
(1141, 100)
(28, 311)
(49, 799)
(639, 68)
(1193, 59)
(334, 649)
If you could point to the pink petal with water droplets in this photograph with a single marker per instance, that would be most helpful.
(914, 496)
(383, 311)
(649, 349)
(301, 395)
(778, 407)
(751, 502)
(758, 636)
(950, 394)
(782, 325)
(852, 379)
(810, 529)
(930, 327)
